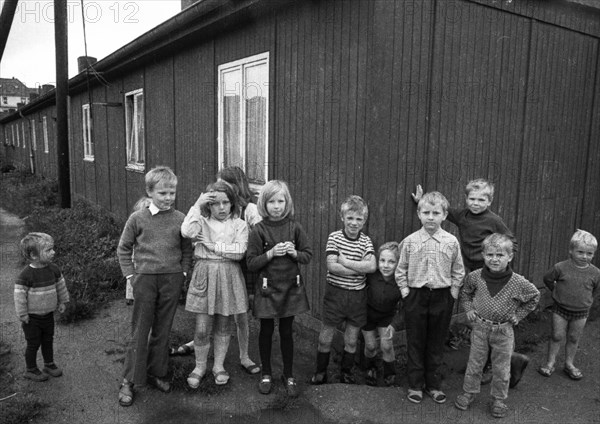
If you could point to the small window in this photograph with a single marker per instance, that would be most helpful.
(134, 127)
(18, 137)
(4, 100)
(12, 128)
(45, 130)
(23, 132)
(88, 143)
(244, 116)
(33, 140)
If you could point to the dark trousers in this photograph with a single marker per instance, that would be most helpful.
(39, 331)
(286, 340)
(156, 297)
(427, 317)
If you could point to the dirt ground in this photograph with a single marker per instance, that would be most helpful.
(91, 354)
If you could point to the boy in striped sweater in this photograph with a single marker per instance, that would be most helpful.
(40, 289)
(495, 299)
(350, 257)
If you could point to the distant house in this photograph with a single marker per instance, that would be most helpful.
(340, 97)
(13, 94)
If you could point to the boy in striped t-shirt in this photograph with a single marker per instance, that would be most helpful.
(350, 257)
(40, 289)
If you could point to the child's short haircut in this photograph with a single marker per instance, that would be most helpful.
(481, 184)
(354, 203)
(392, 246)
(223, 187)
(160, 173)
(270, 189)
(32, 244)
(499, 240)
(434, 198)
(583, 238)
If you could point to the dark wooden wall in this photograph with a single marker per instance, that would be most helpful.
(372, 97)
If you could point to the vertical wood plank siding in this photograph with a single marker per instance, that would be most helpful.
(372, 97)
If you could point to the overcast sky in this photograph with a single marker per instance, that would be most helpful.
(110, 24)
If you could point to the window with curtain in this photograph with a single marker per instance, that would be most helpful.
(243, 116)
(33, 138)
(88, 142)
(45, 130)
(134, 127)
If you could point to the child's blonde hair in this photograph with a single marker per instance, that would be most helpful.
(392, 246)
(481, 184)
(143, 202)
(434, 198)
(32, 244)
(160, 173)
(499, 240)
(583, 238)
(270, 189)
(354, 203)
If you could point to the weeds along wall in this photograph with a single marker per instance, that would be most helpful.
(367, 97)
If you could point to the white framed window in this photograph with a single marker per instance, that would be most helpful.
(23, 132)
(45, 131)
(88, 143)
(18, 137)
(4, 100)
(244, 116)
(33, 140)
(134, 127)
(12, 128)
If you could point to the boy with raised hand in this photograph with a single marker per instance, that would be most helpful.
(475, 223)
(429, 274)
(350, 257)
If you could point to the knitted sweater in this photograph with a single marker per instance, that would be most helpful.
(472, 230)
(159, 246)
(573, 288)
(39, 290)
(517, 298)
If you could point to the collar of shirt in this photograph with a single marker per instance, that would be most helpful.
(153, 209)
(437, 236)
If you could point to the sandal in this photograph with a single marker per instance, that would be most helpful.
(545, 370)
(498, 409)
(319, 378)
(126, 394)
(182, 350)
(573, 373)
(291, 386)
(251, 369)
(415, 396)
(265, 384)
(194, 379)
(221, 377)
(437, 395)
(463, 401)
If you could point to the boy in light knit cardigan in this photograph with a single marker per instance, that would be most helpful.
(162, 258)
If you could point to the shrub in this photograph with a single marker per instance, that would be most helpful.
(85, 241)
(22, 191)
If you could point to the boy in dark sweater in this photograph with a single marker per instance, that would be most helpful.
(495, 299)
(162, 258)
(40, 289)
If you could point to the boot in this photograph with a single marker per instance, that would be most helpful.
(346, 368)
(518, 363)
(320, 376)
(389, 373)
(371, 371)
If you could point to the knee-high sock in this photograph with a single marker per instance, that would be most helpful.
(201, 358)
(221, 344)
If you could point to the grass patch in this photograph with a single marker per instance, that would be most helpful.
(22, 192)
(16, 407)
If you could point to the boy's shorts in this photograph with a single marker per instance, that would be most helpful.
(378, 319)
(341, 305)
(569, 315)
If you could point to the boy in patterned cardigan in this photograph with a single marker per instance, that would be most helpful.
(495, 299)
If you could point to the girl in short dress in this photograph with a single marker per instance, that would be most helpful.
(276, 247)
(217, 290)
